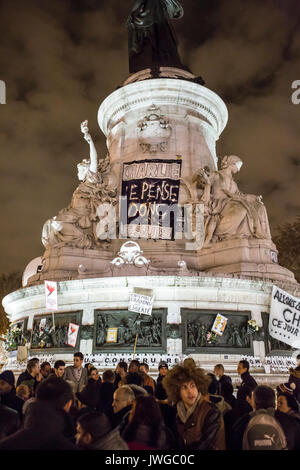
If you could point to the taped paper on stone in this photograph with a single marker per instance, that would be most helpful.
(112, 335)
(284, 321)
(72, 334)
(219, 324)
(51, 295)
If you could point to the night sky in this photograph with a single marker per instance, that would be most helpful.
(61, 58)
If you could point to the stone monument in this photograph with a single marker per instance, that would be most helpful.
(161, 211)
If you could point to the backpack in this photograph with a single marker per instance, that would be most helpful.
(264, 432)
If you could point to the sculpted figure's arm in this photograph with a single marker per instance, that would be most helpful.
(93, 151)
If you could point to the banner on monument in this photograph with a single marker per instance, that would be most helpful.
(51, 295)
(139, 303)
(284, 321)
(150, 192)
(219, 324)
(112, 335)
(72, 334)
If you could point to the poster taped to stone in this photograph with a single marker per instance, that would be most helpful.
(72, 334)
(140, 304)
(112, 335)
(150, 192)
(284, 321)
(51, 295)
(219, 324)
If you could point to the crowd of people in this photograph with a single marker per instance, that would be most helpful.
(187, 408)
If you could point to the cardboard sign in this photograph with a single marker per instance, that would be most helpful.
(149, 204)
(112, 335)
(42, 324)
(219, 324)
(284, 321)
(51, 295)
(140, 304)
(72, 334)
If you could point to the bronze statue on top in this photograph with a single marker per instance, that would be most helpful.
(151, 38)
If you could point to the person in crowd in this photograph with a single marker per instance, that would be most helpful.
(106, 391)
(95, 432)
(76, 375)
(285, 388)
(120, 372)
(122, 404)
(146, 430)
(294, 379)
(89, 396)
(46, 424)
(23, 392)
(247, 379)
(134, 366)
(221, 378)
(286, 403)
(227, 394)
(59, 368)
(9, 421)
(31, 376)
(199, 423)
(46, 369)
(148, 383)
(242, 407)
(263, 402)
(160, 392)
(8, 392)
(133, 378)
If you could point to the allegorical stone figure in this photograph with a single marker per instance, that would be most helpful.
(151, 37)
(76, 225)
(228, 212)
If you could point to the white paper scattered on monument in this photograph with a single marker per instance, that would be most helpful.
(219, 324)
(284, 321)
(51, 295)
(141, 301)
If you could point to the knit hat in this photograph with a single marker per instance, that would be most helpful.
(286, 388)
(163, 364)
(8, 377)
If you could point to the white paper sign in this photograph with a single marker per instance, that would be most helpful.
(140, 304)
(219, 324)
(51, 295)
(284, 321)
(72, 334)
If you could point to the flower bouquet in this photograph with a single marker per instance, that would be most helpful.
(211, 338)
(253, 327)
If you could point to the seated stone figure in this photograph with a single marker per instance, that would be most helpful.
(76, 225)
(228, 212)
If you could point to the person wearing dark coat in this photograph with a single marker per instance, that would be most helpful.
(122, 405)
(31, 376)
(46, 422)
(9, 421)
(146, 430)
(221, 378)
(294, 378)
(8, 392)
(247, 379)
(160, 393)
(263, 398)
(106, 391)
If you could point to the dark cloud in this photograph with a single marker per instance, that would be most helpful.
(60, 59)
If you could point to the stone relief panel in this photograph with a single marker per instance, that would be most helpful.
(273, 345)
(126, 327)
(197, 337)
(46, 335)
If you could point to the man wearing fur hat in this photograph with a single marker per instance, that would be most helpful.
(294, 379)
(199, 423)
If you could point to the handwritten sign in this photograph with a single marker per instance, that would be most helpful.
(140, 304)
(284, 321)
(112, 335)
